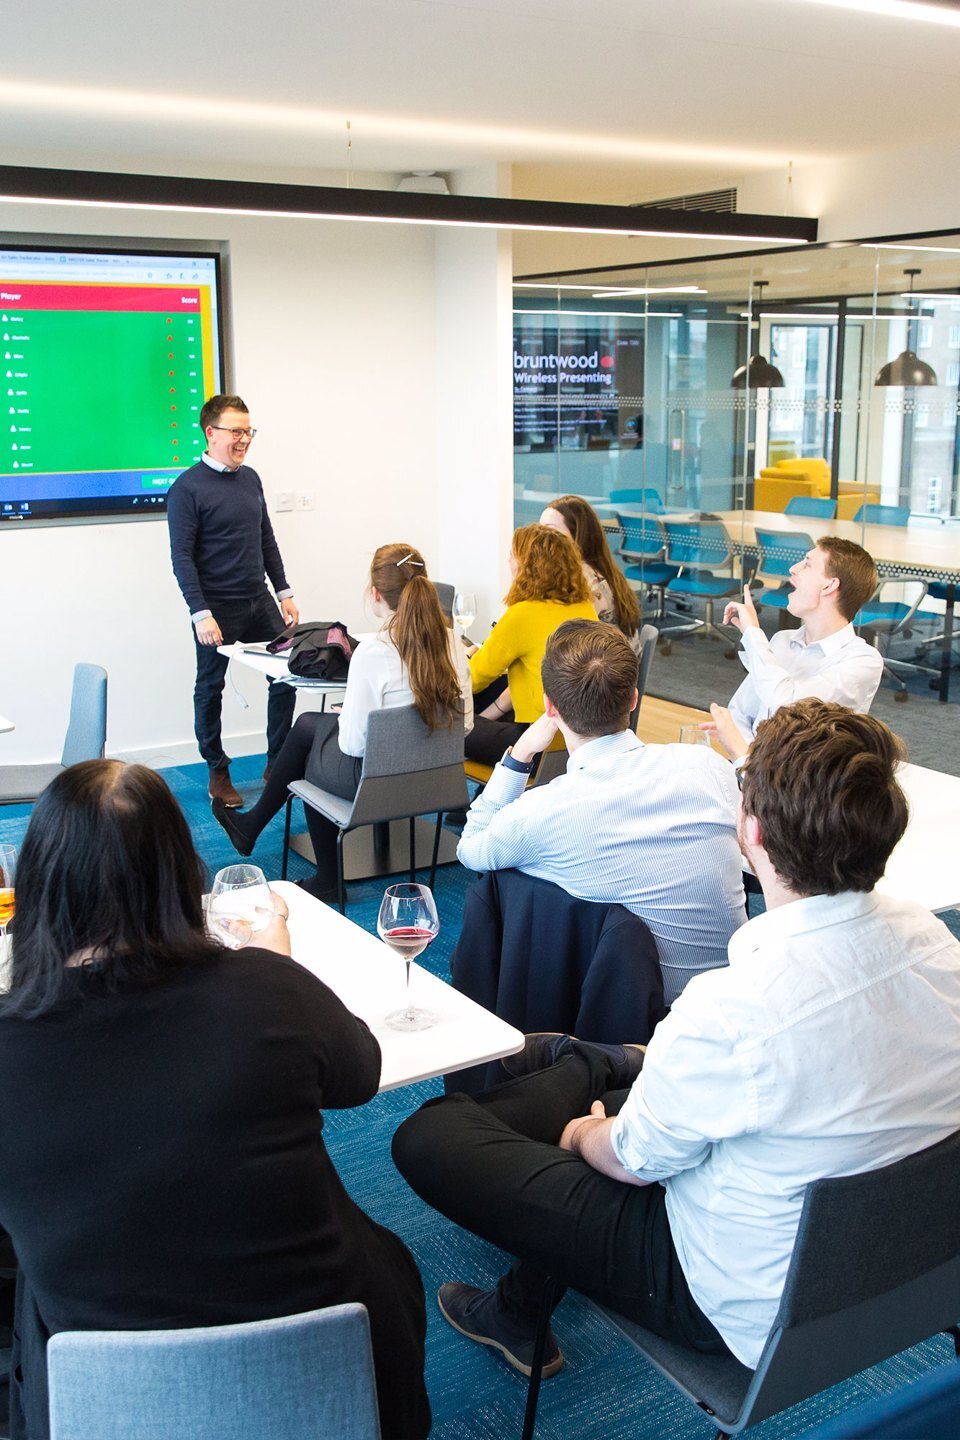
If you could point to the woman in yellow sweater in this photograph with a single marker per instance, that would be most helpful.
(548, 588)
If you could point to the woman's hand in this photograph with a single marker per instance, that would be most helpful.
(276, 936)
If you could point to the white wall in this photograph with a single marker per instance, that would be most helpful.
(335, 350)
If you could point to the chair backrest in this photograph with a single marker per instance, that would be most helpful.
(812, 505)
(86, 735)
(875, 1269)
(643, 535)
(409, 769)
(647, 496)
(649, 635)
(299, 1377)
(445, 594)
(698, 543)
(883, 514)
(780, 549)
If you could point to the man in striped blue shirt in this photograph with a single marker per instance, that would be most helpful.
(651, 827)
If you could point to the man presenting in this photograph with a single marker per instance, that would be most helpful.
(222, 544)
(651, 827)
(824, 658)
(828, 1047)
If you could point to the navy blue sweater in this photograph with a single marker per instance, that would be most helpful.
(221, 539)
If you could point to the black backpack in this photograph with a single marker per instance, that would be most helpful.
(318, 650)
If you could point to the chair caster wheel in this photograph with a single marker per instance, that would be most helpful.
(902, 697)
(729, 654)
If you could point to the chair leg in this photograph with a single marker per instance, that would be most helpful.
(413, 849)
(341, 888)
(955, 1332)
(436, 851)
(286, 838)
(536, 1368)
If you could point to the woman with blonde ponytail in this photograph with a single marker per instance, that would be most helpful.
(414, 659)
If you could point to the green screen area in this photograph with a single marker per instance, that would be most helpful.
(93, 391)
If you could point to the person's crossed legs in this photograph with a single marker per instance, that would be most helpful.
(492, 1164)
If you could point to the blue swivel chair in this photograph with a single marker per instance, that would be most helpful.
(643, 547)
(298, 1377)
(779, 551)
(883, 514)
(648, 497)
(888, 618)
(813, 507)
(699, 547)
(85, 739)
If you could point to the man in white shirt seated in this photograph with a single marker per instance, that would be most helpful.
(828, 1047)
(825, 658)
(651, 827)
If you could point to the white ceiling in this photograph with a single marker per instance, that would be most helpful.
(617, 100)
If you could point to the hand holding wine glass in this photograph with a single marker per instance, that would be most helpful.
(407, 923)
(240, 905)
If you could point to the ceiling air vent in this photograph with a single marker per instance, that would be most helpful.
(720, 202)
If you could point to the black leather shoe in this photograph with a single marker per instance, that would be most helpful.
(546, 1048)
(238, 839)
(476, 1314)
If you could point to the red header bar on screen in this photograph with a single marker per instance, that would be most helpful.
(178, 299)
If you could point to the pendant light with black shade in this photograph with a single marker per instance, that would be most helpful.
(908, 368)
(758, 373)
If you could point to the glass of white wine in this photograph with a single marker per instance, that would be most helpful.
(464, 610)
(407, 923)
(239, 906)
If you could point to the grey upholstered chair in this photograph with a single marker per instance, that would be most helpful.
(85, 739)
(875, 1269)
(408, 770)
(298, 1377)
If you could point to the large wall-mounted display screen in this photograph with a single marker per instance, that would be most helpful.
(106, 357)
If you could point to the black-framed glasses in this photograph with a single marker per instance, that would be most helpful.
(238, 434)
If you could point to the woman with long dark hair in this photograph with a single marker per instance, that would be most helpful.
(614, 600)
(415, 659)
(163, 1157)
(547, 588)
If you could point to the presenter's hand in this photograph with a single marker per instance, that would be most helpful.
(289, 611)
(534, 739)
(742, 613)
(208, 631)
(723, 727)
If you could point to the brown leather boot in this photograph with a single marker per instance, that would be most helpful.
(221, 787)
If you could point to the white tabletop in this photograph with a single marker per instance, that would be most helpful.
(369, 979)
(924, 865)
(5, 724)
(275, 667)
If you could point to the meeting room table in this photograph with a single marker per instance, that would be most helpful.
(370, 980)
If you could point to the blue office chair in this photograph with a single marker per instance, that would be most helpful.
(883, 515)
(648, 497)
(813, 507)
(779, 551)
(697, 547)
(643, 546)
(887, 618)
(298, 1377)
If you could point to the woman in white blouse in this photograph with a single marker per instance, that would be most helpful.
(414, 659)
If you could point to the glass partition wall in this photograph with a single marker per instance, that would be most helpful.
(730, 391)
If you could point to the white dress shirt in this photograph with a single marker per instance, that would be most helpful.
(651, 827)
(828, 1047)
(378, 680)
(842, 669)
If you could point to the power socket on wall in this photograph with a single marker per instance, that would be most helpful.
(283, 500)
(305, 500)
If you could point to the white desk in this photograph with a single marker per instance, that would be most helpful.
(369, 979)
(274, 667)
(924, 865)
(6, 724)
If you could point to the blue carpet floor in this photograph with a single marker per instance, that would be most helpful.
(605, 1392)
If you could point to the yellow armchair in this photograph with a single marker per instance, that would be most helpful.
(778, 484)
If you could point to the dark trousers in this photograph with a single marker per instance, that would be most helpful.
(492, 1164)
(247, 621)
(311, 751)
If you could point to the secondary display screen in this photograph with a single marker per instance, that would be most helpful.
(106, 358)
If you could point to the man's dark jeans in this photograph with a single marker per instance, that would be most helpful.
(248, 621)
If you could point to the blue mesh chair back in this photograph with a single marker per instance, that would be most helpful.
(883, 514)
(814, 506)
(649, 498)
(698, 544)
(298, 1377)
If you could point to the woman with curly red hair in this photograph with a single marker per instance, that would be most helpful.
(548, 588)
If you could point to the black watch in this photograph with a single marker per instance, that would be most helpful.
(520, 766)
